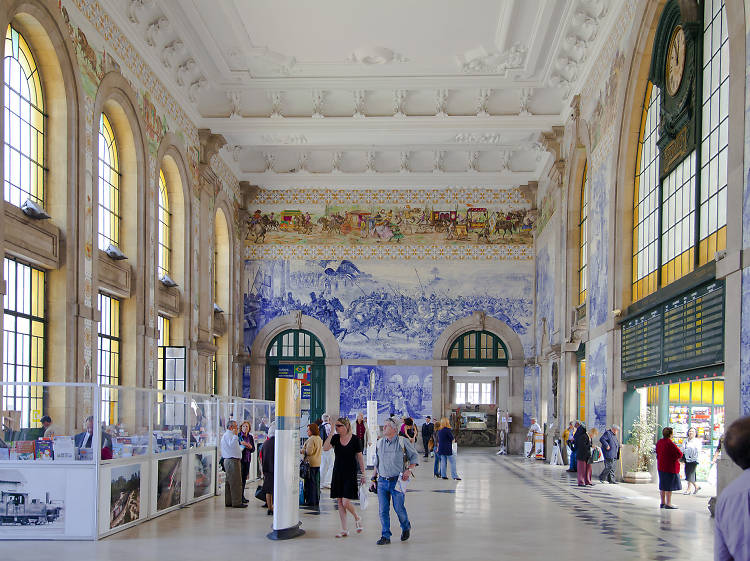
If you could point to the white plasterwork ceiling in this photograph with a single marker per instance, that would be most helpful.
(395, 92)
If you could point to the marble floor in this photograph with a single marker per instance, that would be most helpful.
(504, 508)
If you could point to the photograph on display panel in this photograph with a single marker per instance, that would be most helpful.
(125, 497)
(169, 483)
(31, 498)
(203, 471)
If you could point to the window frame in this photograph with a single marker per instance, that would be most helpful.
(164, 229)
(457, 352)
(109, 401)
(110, 186)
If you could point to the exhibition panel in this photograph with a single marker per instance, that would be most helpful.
(157, 451)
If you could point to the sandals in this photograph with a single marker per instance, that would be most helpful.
(342, 534)
(358, 525)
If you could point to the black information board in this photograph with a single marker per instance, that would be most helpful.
(684, 333)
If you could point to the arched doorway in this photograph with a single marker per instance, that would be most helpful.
(301, 351)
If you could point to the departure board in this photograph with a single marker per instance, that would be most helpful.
(694, 329)
(641, 346)
(684, 333)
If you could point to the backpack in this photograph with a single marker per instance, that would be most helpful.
(324, 431)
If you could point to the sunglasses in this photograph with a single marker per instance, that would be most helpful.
(339, 426)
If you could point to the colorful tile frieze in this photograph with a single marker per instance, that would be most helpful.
(392, 252)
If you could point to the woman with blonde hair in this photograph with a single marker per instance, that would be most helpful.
(445, 449)
(348, 472)
(248, 447)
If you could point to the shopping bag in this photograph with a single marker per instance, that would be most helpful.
(364, 500)
(455, 448)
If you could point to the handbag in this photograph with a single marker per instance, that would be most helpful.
(260, 494)
(304, 469)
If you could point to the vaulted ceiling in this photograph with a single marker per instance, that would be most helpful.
(388, 93)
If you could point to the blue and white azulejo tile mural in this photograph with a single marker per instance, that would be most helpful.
(545, 295)
(405, 391)
(745, 345)
(598, 219)
(388, 309)
(596, 371)
(530, 394)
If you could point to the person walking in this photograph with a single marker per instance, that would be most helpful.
(436, 451)
(611, 451)
(267, 461)
(691, 450)
(311, 453)
(733, 505)
(668, 465)
(389, 469)
(231, 451)
(248, 447)
(326, 459)
(427, 431)
(583, 456)
(361, 430)
(445, 449)
(348, 472)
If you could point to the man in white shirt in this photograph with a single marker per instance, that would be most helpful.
(327, 457)
(534, 428)
(231, 451)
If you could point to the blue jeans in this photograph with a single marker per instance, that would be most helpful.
(436, 469)
(443, 465)
(386, 493)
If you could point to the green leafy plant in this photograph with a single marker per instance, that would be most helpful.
(642, 438)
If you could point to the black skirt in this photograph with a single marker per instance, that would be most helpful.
(690, 468)
(669, 481)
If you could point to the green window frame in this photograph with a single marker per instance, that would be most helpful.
(478, 348)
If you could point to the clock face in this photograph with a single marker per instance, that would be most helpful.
(675, 61)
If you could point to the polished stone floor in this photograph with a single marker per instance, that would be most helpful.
(504, 508)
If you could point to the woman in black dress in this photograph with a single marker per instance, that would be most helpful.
(267, 460)
(346, 479)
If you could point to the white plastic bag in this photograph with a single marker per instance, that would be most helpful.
(364, 500)
(455, 448)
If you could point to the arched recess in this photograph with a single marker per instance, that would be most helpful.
(222, 271)
(118, 101)
(578, 168)
(480, 321)
(44, 30)
(297, 321)
(171, 156)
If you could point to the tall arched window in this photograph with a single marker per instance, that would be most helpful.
(24, 123)
(583, 241)
(109, 186)
(679, 223)
(163, 267)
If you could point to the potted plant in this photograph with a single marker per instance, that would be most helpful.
(642, 437)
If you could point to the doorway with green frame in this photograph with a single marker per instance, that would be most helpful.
(299, 348)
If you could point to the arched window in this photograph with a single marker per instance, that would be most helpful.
(679, 223)
(582, 241)
(163, 267)
(24, 123)
(476, 348)
(294, 344)
(109, 186)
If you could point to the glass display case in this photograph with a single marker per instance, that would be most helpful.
(473, 420)
(202, 411)
(169, 422)
(128, 429)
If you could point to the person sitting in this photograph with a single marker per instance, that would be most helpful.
(85, 439)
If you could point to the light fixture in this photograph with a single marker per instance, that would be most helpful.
(167, 281)
(217, 309)
(114, 253)
(33, 210)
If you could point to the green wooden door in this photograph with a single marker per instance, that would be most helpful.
(318, 391)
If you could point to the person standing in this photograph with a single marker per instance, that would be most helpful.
(311, 451)
(348, 472)
(445, 449)
(248, 447)
(409, 430)
(389, 468)
(361, 430)
(733, 505)
(668, 465)
(326, 459)
(567, 435)
(50, 430)
(427, 431)
(572, 443)
(611, 451)
(533, 429)
(691, 450)
(583, 455)
(231, 451)
(267, 453)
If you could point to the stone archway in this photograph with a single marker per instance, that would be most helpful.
(297, 321)
(482, 322)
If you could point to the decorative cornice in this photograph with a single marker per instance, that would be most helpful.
(479, 61)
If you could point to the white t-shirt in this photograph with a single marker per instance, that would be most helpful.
(691, 449)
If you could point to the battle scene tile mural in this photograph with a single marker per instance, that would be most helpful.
(596, 369)
(388, 309)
